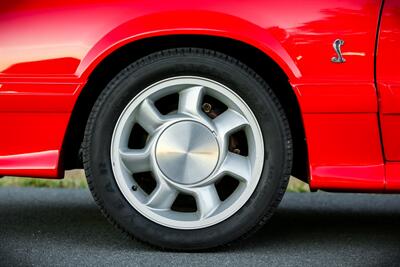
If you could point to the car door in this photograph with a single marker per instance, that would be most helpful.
(388, 83)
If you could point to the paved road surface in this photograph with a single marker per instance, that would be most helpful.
(50, 227)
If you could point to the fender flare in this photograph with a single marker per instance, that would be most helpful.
(217, 24)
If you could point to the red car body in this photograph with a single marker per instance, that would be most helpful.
(50, 51)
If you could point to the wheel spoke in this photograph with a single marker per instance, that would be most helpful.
(190, 100)
(187, 151)
(228, 122)
(136, 160)
(162, 197)
(207, 200)
(237, 166)
(149, 117)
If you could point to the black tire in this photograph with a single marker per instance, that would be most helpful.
(197, 62)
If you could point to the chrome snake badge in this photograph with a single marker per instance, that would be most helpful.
(336, 45)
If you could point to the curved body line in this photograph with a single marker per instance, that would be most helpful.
(48, 62)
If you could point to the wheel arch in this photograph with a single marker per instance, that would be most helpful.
(121, 57)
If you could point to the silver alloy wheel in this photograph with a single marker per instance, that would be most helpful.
(187, 153)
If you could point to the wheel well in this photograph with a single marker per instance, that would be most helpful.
(125, 55)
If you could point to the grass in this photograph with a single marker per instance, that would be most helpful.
(295, 185)
(73, 179)
(76, 179)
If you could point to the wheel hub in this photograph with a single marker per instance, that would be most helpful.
(187, 152)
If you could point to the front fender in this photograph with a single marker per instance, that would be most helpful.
(193, 23)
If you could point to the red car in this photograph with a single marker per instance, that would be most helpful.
(189, 117)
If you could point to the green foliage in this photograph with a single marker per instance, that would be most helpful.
(295, 185)
(73, 179)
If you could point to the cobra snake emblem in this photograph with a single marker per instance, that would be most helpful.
(337, 45)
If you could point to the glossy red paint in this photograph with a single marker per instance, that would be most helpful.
(37, 164)
(337, 98)
(336, 170)
(38, 97)
(47, 57)
(34, 140)
(289, 36)
(390, 125)
(387, 74)
(393, 177)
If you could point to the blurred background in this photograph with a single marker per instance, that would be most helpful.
(77, 179)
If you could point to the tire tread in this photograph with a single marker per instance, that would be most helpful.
(172, 53)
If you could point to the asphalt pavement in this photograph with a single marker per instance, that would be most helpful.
(63, 227)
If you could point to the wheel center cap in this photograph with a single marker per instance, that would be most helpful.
(187, 152)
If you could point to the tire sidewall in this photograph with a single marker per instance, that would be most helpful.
(128, 84)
